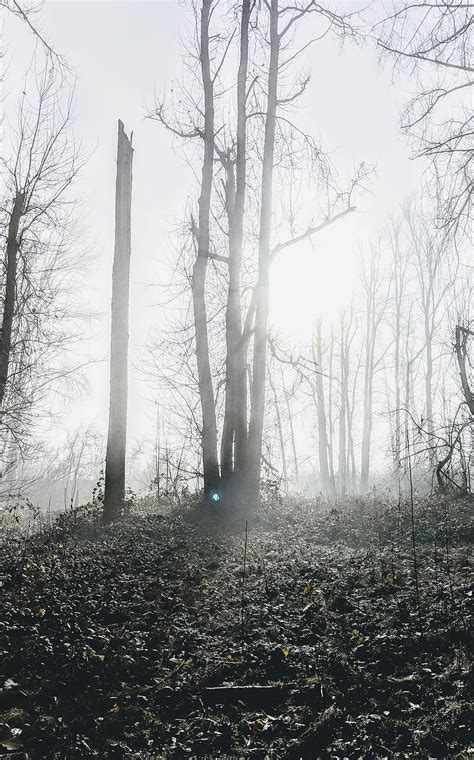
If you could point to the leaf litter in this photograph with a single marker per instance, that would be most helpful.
(141, 641)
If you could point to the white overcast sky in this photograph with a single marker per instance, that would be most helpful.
(123, 53)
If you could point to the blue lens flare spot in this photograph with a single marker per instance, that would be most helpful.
(215, 496)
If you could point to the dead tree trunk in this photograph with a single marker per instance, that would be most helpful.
(114, 495)
(9, 303)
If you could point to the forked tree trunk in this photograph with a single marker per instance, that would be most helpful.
(234, 440)
(9, 302)
(114, 495)
(254, 453)
(206, 391)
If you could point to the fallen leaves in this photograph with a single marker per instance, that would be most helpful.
(142, 626)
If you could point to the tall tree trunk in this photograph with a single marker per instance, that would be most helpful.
(292, 428)
(254, 453)
(397, 432)
(114, 494)
(408, 392)
(281, 437)
(206, 390)
(9, 302)
(368, 411)
(429, 376)
(400, 264)
(233, 330)
(351, 464)
(342, 457)
(374, 315)
(234, 441)
(330, 413)
(321, 410)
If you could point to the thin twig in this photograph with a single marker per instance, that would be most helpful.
(242, 615)
(413, 534)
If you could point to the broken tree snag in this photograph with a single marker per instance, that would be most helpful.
(114, 495)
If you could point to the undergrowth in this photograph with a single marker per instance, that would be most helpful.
(113, 640)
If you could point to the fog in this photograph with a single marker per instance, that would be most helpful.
(122, 57)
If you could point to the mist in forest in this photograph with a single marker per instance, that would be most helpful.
(299, 298)
(236, 379)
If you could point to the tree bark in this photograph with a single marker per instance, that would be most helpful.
(292, 429)
(254, 453)
(329, 415)
(461, 337)
(114, 495)
(368, 391)
(234, 440)
(321, 410)
(206, 390)
(281, 437)
(9, 303)
(374, 313)
(342, 457)
(399, 276)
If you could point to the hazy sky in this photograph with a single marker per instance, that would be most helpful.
(123, 53)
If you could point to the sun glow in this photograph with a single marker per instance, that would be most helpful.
(311, 281)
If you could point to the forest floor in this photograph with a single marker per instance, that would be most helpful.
(114, 642)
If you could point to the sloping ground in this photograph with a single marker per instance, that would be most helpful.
(111, 641)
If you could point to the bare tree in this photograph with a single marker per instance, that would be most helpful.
(37, 229)
(26, 13)
(234, 434)
(346, 456)
(323, 444)
(237, 187)
(398, 278)
(280, 428)
(376, 295)
(429, 251)
(434, 39)
(262, 287)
